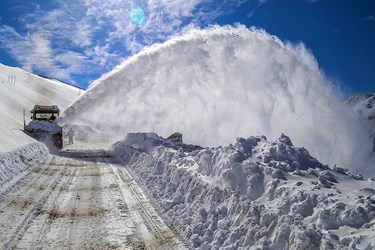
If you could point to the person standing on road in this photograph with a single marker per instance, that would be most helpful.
(70, 136)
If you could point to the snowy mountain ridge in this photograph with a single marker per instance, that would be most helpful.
(253, 194)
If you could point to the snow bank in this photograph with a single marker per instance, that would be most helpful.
(217, 84)
(253, 194)
(15, 162)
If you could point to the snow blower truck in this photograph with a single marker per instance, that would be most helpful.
(42, 126)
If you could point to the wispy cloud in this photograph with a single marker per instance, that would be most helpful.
(312, 1)
(34, 47)
(92, 36)
(369, 18)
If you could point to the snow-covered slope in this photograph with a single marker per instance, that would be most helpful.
(217, 84)
(20, 89)
(253, 194)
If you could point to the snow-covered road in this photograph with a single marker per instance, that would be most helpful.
(80, 200)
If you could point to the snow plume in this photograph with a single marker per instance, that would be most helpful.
(217, 84)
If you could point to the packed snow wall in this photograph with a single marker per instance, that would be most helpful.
(217, 84)
(15, 162)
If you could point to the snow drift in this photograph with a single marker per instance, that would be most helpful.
(13, 163)
(217, 84)
(253, 194)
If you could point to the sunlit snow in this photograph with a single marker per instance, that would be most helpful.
(217, 84)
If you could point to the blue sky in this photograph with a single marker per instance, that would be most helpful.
(77, 41)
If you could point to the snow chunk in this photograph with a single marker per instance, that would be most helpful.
(228, 198)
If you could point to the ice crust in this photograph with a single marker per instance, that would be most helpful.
(253, 194)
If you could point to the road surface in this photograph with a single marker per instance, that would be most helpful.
(80, 200)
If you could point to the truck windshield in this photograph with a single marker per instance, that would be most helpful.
(44, 116)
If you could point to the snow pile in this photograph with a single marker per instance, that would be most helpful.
(145, 142)
(15, 162)
(217, 84)
(253, 194)
(22, 90)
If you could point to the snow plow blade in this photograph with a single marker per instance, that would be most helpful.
(50, 138)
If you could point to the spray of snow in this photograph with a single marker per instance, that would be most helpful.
(217, 84)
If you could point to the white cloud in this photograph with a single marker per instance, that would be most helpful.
(35, 53)
(180, 8)
(33, 50)
(102, 57)
(312, 1)
(39, 54)
(369, 18)
(82, 37)
(100, 33)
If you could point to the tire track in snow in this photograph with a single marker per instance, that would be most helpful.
(35, 211)
(94, 234)
(82, 203)
(164, 238)
(85, 204)
(53, 213)
(26, 177)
